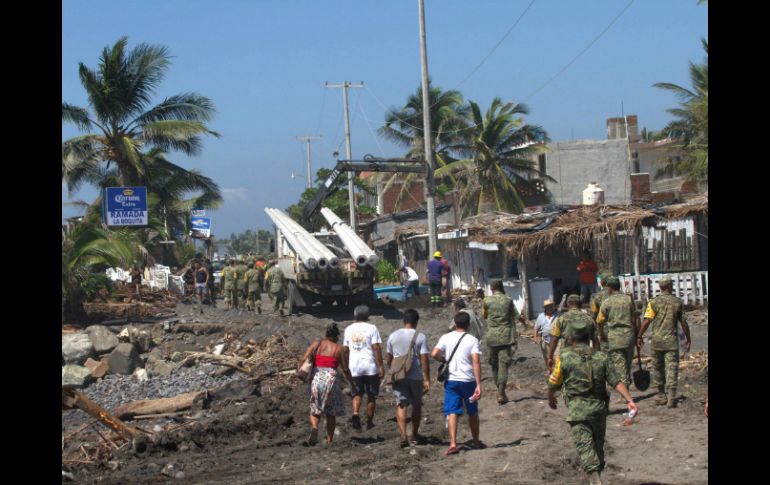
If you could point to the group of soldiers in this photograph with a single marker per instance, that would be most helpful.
(596, 350)
(243, 283)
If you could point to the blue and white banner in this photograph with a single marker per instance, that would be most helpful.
(201, 227)
(125, 206)
(198, 212)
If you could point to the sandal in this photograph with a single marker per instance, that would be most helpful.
(313, 438)
(451, 451)
(480, 446)
(404, 444)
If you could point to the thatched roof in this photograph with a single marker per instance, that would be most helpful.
(573, 228)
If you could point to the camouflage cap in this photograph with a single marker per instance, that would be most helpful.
(605, 274)
(665, 281)
(573, 299)
(580, 327)
(613, 280)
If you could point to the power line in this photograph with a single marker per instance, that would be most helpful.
(483, 60)
(320, 116)
(585, 49)
(368, 125)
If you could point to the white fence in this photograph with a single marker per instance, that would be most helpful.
(160, 277)
(691, 287)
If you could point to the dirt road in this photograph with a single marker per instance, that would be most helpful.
(260, 438)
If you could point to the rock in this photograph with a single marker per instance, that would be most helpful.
(160, 367)
(218, 349)
(76, 348)
(179, 475)
(124, 335)
(140, 375)
(91, 364)
(75, 375)
(102, 338)
(155, 354)
(101, 369)
(177, 357)
(143, 341)
(67, 476)
(124, 359)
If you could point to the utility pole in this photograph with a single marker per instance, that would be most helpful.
(306, 139)
(430, 183)
(352, 175)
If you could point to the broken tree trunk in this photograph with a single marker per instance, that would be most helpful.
(162, 406)
(70, 398)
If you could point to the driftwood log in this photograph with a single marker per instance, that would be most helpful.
(70, 398)
(174, 404)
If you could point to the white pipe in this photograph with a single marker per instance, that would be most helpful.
(304, 242)
(304, 254)
(357, 248)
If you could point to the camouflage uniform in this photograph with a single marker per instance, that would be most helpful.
(501, 336)
(274, 281)
(581, 374)
(229, 277)
(596, 303)
(665, 311)
(254, 290)
(564, 326)
(240, 284)
(618, 313)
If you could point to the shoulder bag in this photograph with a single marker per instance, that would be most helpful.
(443, 369)
(401, 365)
(307, 367)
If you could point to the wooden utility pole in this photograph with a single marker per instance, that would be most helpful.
(306, 139)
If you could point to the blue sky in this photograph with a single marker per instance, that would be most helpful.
(264, 64)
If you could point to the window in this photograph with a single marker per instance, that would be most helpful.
(635, 158)
(541, 163)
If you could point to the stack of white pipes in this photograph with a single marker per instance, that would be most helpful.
(357, 248)
(308, 249)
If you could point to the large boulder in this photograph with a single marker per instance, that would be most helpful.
(76, 348)
(124, 359)
(102, 338)
(75, 375)
(143, 341)
(98, 368)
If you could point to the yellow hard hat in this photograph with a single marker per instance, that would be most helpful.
(437, 254)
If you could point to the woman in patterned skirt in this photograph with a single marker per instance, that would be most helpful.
(325, 384)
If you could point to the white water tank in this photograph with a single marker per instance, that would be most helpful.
(593, 194)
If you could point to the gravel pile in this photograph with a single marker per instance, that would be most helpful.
(113, 390)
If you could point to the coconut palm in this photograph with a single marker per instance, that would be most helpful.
(691, 123)
(86, 253)
(121, 124)
(496, 153)
(404, 127)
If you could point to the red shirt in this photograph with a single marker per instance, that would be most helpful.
(588, 270)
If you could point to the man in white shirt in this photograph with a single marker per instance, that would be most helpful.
(409, 281)
(410, 390)
(463, 386)
(363, 349)
(543, 327)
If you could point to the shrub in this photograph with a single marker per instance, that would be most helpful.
(385, 272)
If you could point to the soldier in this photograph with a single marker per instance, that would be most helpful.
(229, 276)
(664, 312)
(275, 281)
(618, 313)
(240, 283)
(501, 316)
(581, 374)
(596, 303)
(565, 325)
(254, 290)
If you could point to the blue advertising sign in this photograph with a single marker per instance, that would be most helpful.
(198, 212)
(125, 206)
(201, 227)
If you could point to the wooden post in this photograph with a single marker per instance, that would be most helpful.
(524, 286)
(612, 245)
(637, 248)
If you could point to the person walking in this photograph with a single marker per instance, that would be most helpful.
(253, 290)
(229, 275)
(409, 391)
(502, 339)
(587, 269)
(446, 281)
(582, 374)
(363, 348)
(596, 303)
(325, 389)
(211, 286)
(410, 282)
(275, 281)
(543, 326)
(476, 327)
(664, 313)
(434, 269)
(240, 283)
(564, 327)
(459, 351)
(201, 283)
(618, 313)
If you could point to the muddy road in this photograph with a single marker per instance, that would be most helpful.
(259, 438)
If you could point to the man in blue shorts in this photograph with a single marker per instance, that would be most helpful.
(463, 386)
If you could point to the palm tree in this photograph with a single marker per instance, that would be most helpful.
(404, 127)
(86, 253)
(496, 153)
(121, 123)
(691, 123)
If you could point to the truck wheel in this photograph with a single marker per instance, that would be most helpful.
(291, 295)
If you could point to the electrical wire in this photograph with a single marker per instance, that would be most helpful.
(585, 49)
